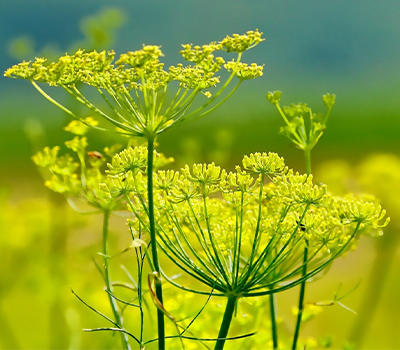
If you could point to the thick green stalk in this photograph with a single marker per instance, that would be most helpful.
(226, 322)
(158, 285)
(117, 316)
(301, 300)
(273, 320)
(307, 153)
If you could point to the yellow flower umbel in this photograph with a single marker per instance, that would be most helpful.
(243, 233)
(135, 85)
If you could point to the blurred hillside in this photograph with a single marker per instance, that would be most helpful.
(347, 48)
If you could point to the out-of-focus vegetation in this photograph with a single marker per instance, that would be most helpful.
(47, 248)
(379, 175)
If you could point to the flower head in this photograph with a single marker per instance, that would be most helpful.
(239, 235)
(302, 132)
(241, 43)
(244, 71)
(263, 163)
(134, 86)
(294, 188)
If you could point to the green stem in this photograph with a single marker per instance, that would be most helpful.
(158, 285)
(299, 140)
(117, 316)
(226, 322)
(140, 262)
(301, 300)
(307, 153)
(274, 330)
(256, 241)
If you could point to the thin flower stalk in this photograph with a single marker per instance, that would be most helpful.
(296, 130)
(80, 182)
(114, 307)
(158, 286)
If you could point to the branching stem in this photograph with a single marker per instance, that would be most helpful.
(307, 153)
(117, 316)
(158, 285)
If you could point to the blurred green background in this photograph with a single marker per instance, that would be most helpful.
(348, 48)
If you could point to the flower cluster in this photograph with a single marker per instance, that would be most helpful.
(244, 71)
(134, 85)
(78, 176)
(355, 210)
(193, 77)
(68, 70)
(203, 56)
(243, 232)
(299, 189)
(135, 160)
(146, 58)
(304, 134)
(263, 163)
(240, 43)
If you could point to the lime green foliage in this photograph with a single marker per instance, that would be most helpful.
(135, 86)
(303, 127)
